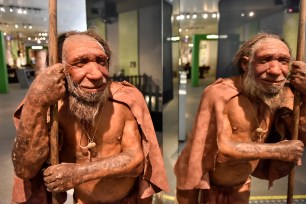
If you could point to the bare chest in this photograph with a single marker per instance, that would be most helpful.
(80, 144)
(250, 122)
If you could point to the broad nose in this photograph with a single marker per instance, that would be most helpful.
(95, 71)
(275, 67)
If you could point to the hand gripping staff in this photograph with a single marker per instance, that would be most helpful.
(53, 59)
(297, 97)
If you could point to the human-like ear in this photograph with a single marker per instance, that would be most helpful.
(245, 63)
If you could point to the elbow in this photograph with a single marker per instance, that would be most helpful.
(226, 154)
(225, 149)
(24, 173)
(20, 169)
(26, 168)
(137, 166)
(137, 170)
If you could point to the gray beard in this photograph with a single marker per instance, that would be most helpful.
(85, 106)
(272, 96)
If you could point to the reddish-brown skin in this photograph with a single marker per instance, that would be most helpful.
(117, 160)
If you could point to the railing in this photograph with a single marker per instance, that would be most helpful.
(147, 87)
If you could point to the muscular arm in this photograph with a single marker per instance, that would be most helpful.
(128, 163)
(234, 147)
(31, 148)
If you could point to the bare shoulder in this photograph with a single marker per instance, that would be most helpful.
(221, 90)
(238, 112)
(122, 110)
(233, 105)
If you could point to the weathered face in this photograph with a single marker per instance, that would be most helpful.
(86, 70)
(86, 63)
(270, 64)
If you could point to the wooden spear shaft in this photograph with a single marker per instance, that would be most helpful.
(297, 97)
(53, 59)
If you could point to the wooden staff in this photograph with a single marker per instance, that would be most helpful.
(53, 59)
(297, 97)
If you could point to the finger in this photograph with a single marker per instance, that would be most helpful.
(51, 186)
(50, 180)
(297, 78)
(49, 171)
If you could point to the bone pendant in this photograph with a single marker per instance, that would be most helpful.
(91, 145)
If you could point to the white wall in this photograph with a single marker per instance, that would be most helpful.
(71, 15)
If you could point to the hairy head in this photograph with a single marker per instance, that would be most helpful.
(249, 47)
(273, 97)
(264, 63)
(90, 33)
(87, 88)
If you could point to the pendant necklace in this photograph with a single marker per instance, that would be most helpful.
(91, 143)
(259, 131)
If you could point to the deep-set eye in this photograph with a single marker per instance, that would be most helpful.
(80, 63)
(266, 59)
(101, 60)
(284, 60)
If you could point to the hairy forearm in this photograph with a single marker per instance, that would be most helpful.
(123, 165)
(237, 152)
(253, 151)
(31, 147)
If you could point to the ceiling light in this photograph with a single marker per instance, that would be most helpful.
(37, 47)
(214, 15)
(205, 15)
(194, 16)
(251, 14)
(212, 36)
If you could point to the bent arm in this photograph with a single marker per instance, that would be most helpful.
(128, 163)
(232, 150)
(31, 147)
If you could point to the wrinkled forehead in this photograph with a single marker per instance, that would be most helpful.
(76, 40)
(271, 46)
